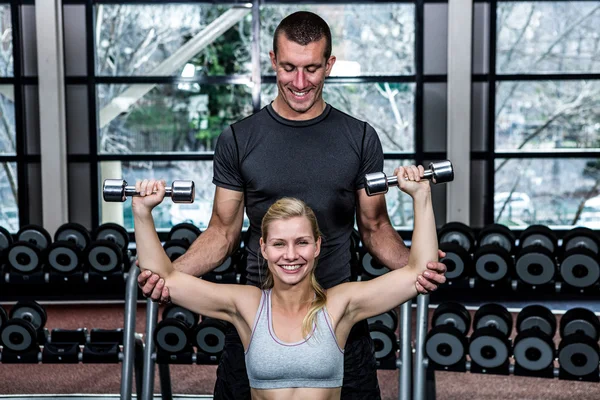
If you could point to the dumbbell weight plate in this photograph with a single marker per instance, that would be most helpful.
(371, 267)
(18, 335)
(64, 256)
(492, 263)
(453, 314)
(579, 268)
(24, 257)
(184, 231)
(538, 235)
(457, 261)
(35, 235)
(182, 314)
(457, 232)
(388, 319)
(209, 336)
(171, 335)
(499, 235)
(494, 316)
(384, 340)
(114, 233)
(580, 320)
(225, 267)
(74, 233)
(175, 248)
(579, 355)
(581, 238)
(5, 239)
(488, 347)
(533, 350)
(445, 345)
(104, 256)
(535, 265)
(29, 311)
(537, 317)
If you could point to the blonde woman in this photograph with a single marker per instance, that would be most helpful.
(293, 331)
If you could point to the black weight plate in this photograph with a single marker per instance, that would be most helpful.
(209, 336)
(453, 314)
(492, 263)
(35, 235)
(495, 316)
(175, 248)
(182, 314)
(580, 320)
(457, 261)
(24, 257)
(5, 238)
(578, 355)
(499, 235)
(384, 340)
(18, 336)
(372, 267)
(580, 268)
(535, 265)
(533, 353)
(388, 319)
(30, 311)
(104, 256)
(114, 233)
(171, 336)
(578, 238)
(445, 345)
(184, 231)
(63, 256)
(74, 233)
(536, 317)
(488, 348)
(227, 266)
(538, 235)
(459, 233)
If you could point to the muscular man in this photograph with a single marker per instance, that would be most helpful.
(299, 146)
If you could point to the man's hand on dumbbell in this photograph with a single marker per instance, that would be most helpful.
(153, 287)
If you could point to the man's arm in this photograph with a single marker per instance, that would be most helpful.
(385, 244)
(211, 248)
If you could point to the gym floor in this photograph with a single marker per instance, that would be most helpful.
(22, 381)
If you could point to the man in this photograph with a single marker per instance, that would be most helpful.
(299, 146)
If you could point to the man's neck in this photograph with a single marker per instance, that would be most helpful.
(282, 109)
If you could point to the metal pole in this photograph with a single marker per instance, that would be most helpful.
(164, 375)
(129, 333)
(420, 368)
(404, 391)
(148, 379)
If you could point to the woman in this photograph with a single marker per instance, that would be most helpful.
(293, 331)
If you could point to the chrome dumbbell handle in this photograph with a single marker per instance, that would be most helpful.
(116, 190)
(438, 172)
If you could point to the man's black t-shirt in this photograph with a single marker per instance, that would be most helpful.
(321, 161)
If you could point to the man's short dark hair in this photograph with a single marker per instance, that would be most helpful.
(304, 27)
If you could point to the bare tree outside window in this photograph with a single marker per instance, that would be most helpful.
(546, 116)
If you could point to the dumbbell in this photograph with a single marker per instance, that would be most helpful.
(438, 172)
(115, 190)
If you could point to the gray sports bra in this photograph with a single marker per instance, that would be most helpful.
(316, 362)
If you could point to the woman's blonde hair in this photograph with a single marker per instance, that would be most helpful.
(286, 208)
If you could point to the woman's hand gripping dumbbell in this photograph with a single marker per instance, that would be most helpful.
(116, 190)
(438, 172)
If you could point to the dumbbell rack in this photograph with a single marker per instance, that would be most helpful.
(130, 357)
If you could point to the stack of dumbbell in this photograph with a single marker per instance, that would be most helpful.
(537, 261)
(181, 339)
(24, 339)
(491, 347)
